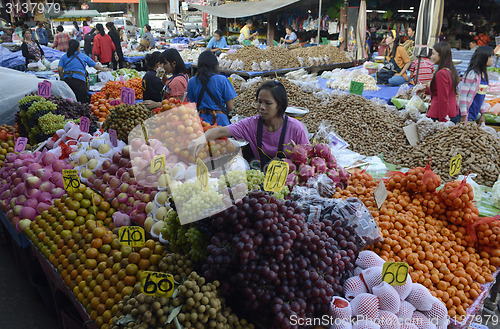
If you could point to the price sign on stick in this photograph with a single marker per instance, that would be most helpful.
(84, 124)
(455, 164)
(356, 88)
(128, 96)
(132, 236)
(20, 144)
(276, 174)
(202, 174)
(44, 88)
(112, 137)
(395, 273)
(380, 194)
(71, 180)
(157, 284)
(157, 164)
(144, 131)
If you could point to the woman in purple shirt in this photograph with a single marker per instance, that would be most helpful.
(268, 132)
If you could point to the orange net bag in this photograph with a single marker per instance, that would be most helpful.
(340, 308)
(372, 277)
(430, 180)
(365, 324)
(405, 289)
(486, 232)
(388, 297)
(438, 314)
(353, 287)
(421, 321)
(405, 311)
(367, 259)
(366, 305)
(420, 297)
(388, 320)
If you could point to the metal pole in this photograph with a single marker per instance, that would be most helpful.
(319, 21)
(346, 5)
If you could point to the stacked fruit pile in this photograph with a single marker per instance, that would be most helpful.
(168, 104)
(6, 142)
(136, 84)
(101, 108)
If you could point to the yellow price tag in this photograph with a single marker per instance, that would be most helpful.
(157, 284)
(202, 174)
(455, 164)
(276, 174)
(71, 180)
(395, 273)
(132, 236)
(145, 132)
(157, 164)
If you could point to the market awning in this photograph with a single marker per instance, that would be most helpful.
(71, 14)
(244, 9)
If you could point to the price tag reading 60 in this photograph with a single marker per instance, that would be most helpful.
(157, 164)
(455, 164)
(156, 283)
(276, 174)
(71, 180)
(395, 273)
(132, 236)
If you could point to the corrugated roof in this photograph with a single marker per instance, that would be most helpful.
(244, 9)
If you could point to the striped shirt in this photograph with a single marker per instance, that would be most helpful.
(426, 71)
(468, 90)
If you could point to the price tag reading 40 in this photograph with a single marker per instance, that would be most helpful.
(455, 164)
(132, 236)
(71, 180)
(395, 273)
(202, 174)
(157, 284)
(276, 174)
(157, 164)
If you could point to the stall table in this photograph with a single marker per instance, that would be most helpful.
(385, 92)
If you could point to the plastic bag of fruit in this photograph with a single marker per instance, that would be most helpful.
(323, 184)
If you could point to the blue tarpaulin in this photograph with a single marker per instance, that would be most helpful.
(385, 92)
(11, 59)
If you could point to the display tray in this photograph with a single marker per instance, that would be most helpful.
(20, 239)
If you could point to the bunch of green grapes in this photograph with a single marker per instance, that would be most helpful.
(28, 100)
(42, 105)
(172, 224)
(185, 192)
(252, 178)
(50, 123)
(34, 134)
(198, 244)
(201, 205)
(282, 194)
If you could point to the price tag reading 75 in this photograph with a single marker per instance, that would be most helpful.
(276, 174)
(132, 236)
(395, 273)
(156, 283)
(71, 180)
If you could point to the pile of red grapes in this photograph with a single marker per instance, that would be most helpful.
(274, 263)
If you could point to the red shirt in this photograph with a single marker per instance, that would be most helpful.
(103, 47)
(444, 97)
(426, 71)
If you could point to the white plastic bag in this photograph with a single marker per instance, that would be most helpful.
(478, 191)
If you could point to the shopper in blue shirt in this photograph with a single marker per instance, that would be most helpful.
(217, 43)
(212, 92)
(73, 70)
(41, 34)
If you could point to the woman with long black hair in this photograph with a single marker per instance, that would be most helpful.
(115, 36)
(443, 87)
(76, 33)
(73, 70)
(397, 62)
(104, 48)
(474, 85)
(151, 84)
(212, 92)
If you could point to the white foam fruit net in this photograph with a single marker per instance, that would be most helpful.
(438, 314)
(388, 320)
(366, 305)
(367, 259)
(408, 326)
(420, 297)
(372, 277)
(341, 325)
(365, 324)
(388, 297)
(421, 321)
(353, 287)
(340, 308)
(357, 270)
(405, 310)
(405, 289)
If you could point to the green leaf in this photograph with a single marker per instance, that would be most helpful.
(173, 314)
(126, 320)
(177, 324)
(176, 293)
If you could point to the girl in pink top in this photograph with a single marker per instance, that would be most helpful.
(267, 133)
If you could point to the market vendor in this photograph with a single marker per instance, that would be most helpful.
(217, 43)
(267, 133)
(151, 83)
(245, 32)
(443, 86)
(31, 50)
(212, 92)
(474, 85)
(290, 37)
(148, 36)
(396, 63)
(72, 69)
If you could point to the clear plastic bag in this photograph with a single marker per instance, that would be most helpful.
(489, 130)
(255, 67)
(416, 102)
(403, 90)
(327, 134)
(323, 184)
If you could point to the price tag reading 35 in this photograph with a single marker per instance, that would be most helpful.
(455, 164)
(132, 236)
(395, 273)
(71, 180)
(202, 174)
(157, 284)
(276, 174)
(157, 164)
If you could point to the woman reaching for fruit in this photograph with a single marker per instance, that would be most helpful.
(268, 132)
